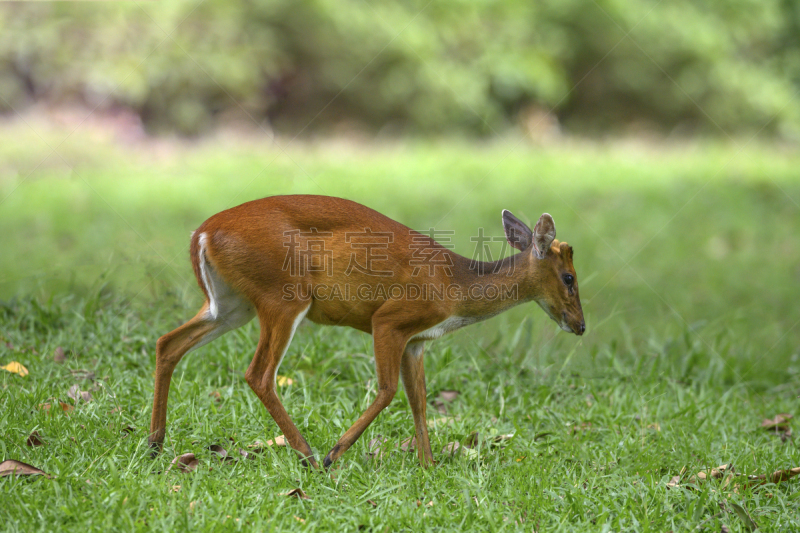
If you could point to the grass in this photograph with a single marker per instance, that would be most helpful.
(687, 259)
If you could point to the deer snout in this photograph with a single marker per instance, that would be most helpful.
(578, 327)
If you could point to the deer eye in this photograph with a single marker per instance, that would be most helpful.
(569, 279)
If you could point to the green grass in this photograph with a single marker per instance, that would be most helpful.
(688, 263)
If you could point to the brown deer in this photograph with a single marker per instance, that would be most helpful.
(333, 261)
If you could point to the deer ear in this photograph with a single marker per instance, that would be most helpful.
(518, 234)
(543, 234)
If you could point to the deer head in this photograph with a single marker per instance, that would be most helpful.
(550, 279)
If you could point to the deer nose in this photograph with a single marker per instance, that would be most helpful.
(582, 327)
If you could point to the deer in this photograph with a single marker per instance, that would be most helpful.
(286, 259)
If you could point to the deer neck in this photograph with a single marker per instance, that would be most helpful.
(492, 287)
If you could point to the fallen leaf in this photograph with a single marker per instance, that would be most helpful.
(115, 410)
(193, 504)
(15, 368)
(59, 356)
(246, 454)
(216, 395)
(449, 395)
(441, 421)
(451, 448)
(128, 429)
(301, 520)
(502, 440)
(777, 424)
(734, 478)
(219, 450)
(280, 440)
(185, 463)
(654, 426)
(472, 440)
(83, 374)
(713, 473)
(34, 439)
(376, 447)
(578, 428)
(724, 529)
(297, 493)
(76, 394)
(777, 476)
(65, 407)
(372, 503)
(409, 444)
(12, 467)
(176, 488)
(283, 381)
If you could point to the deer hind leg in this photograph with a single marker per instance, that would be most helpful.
(277, 330)
(413, 372)
(224, 311)
(389, 346)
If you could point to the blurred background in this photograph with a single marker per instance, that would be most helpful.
(662, 137)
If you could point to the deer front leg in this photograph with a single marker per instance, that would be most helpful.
(413, 371)
(389, 345)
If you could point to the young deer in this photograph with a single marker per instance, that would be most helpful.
(333, 261)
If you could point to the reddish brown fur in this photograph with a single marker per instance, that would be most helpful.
(246, 247)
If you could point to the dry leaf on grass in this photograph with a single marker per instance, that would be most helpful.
(185, 463)
(59, 356)
(81, 373)
(65, 407)
(451, 448)
(578, 429)
(372, 503)
(409, 444)
(220, 451)
(76, 394)
(12, 467)
(34, 439)
(216, 395)
(449, 395)
(247, 455)
(454, 448)
(259, 447)
(502, 440)
(283, 381)
(777, 424)
(377, 447)
(472, 440)
(15, 368)
(729, 473)
(441, 421)
(280, 440)
(297, 493)
(445, 397)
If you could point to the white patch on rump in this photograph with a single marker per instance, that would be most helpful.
(226, 306)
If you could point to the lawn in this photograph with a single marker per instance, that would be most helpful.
(688, 259)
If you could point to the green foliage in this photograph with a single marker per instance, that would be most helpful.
(412, 66)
